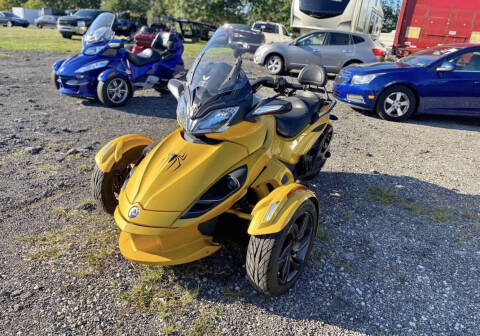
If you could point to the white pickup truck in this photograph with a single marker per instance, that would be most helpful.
(273, 32)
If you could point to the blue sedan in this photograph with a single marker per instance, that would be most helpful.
(440, 80)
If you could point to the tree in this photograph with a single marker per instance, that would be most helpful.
(7, 5)
(391, 9)
(273, 10)
(34, 4)
(122, 5)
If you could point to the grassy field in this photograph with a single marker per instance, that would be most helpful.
(49, 40)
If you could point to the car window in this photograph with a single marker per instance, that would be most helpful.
(469, 61)
(313, 39)
(357, 39)
(1, 15)
(338, 39)
(266, 28)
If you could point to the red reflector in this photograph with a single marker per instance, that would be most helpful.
(237, 35)
(295, 190)
(378, 52)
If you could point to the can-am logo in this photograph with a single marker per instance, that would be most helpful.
(176, 160)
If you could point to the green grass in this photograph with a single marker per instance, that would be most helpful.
(382, 195)
(50, 41)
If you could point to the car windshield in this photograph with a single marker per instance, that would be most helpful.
(11, 15)
(101, 29)
(218, 67)
(85, 13)
(428, 56)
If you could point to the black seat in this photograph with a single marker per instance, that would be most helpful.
(304, 108)
(163, 47)
(145, 57)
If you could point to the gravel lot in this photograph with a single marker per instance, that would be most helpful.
(398, 253)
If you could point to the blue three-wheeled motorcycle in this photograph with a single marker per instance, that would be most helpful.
(107, 71)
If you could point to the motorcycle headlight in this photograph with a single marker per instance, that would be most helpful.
(215, 121)
(365, 79)
(92, 66)
(93, 50)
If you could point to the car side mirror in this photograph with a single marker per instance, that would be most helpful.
(446, 67)
(176, 87)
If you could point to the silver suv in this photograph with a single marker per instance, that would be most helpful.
(333, 49)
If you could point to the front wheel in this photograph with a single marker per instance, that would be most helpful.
(274, 64)
(276, 261)
(115, 91)
(106, 186)
(396, 103)
(54, 79)
(66, 35)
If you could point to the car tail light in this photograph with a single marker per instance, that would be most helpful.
(378, 52)
(237, 35)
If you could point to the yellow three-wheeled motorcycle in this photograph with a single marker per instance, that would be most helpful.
(234, 152)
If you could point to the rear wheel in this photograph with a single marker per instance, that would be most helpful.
(312, 163)
(39, 26)
(67, 35)
(115, 91)
(274, 64)
(396, 103)
(106, 186)
(275, 262)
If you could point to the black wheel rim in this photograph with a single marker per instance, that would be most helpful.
(295, 248)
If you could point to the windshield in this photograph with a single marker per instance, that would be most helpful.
(101, 29)
(11, 15)
(218, 67)
(85, 13)
(428, 56)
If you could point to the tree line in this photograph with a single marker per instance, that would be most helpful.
(209, 11)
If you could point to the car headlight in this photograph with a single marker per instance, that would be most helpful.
(93, 50)
(81, 24)
(92, 66)
(365, 79)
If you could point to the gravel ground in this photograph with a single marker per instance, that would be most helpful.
(398, 252)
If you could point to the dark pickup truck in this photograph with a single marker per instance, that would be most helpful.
(244, 37)
(78, 23)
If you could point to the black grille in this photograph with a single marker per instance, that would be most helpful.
(67, 23)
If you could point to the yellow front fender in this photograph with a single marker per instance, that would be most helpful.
(274, 211)
(113, 151)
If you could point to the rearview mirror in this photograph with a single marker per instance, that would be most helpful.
(446, 67)
(176, 87)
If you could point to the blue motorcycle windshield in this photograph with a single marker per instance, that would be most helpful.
(101, 29)
(218, 67)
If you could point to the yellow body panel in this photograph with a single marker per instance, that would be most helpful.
(176, 173)
(288, 199)
(113, 151)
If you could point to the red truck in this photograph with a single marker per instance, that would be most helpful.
(427, 23)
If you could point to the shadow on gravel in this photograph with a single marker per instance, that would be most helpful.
(447, 122)
(154, 106)
(394, 254)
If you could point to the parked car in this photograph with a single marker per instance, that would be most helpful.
(125, 27)
(440, 80)
(243, 37)
(49, 21)
(78, 23)
(9, 19)
(274, 32)
(332, 49)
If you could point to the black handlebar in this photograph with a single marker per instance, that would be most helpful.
(279, 84)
